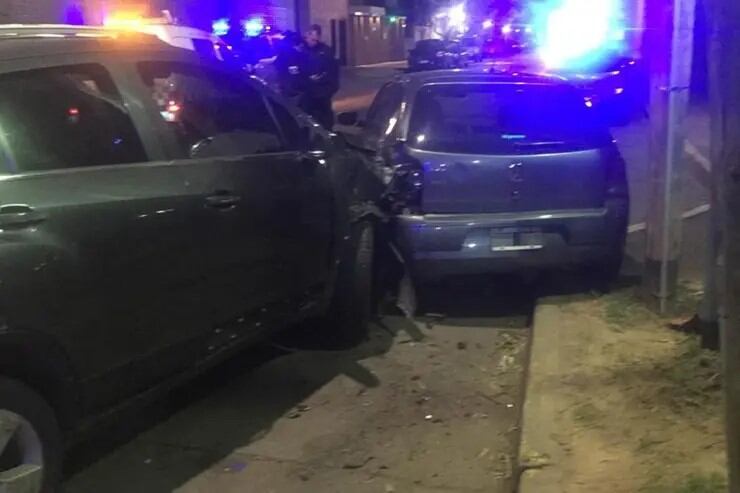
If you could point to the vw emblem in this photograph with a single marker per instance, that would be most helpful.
(515, 172)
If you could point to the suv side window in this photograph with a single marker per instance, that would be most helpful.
(384, 107)
(64, 117)
(211, 113)
(292, 133)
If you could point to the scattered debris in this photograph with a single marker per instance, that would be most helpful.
(389, 488)
(462, 345)
(507, 362)
(147, 461)
(429, 417)
(484, 453)
(236, 467)
(358, 462)
(534, 460)
(423, 399)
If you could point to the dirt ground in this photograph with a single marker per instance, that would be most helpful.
(424, 406)
(639, 406)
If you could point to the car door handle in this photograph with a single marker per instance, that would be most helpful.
(222, 200)
(19, 215)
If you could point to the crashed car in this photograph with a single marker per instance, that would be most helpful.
(497, 172)
(158, 213)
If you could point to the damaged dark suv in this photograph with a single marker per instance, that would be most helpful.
(157, 213)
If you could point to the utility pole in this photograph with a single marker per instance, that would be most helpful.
(671, 30)
(724, 79)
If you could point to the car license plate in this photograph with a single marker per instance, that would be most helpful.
(516, 240)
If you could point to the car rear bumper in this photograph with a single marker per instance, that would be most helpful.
(441, 245)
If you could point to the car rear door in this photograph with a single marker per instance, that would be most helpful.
(245, 193)
(93, 232)
(507, 148)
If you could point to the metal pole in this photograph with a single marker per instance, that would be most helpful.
(709, 308)
(671, 66)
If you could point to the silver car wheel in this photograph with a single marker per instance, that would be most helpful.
(21, 455)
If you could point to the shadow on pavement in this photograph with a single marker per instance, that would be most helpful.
(164, 445)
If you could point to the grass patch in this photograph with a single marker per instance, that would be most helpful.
(696, 483)
(626, 308)
(588, 415)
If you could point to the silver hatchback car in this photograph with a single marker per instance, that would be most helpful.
(491, 172)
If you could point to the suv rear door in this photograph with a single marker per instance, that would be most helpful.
(492, 147)
(93, 232)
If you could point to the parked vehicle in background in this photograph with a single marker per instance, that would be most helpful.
(206, 44)
(435, 54)
(492, 172)
(158, 212)
(517, 36)
(617, 86)
(472, 49)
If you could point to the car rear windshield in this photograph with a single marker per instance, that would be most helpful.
(488, 118)
(430, 45)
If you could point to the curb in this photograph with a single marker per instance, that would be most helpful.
(538, 451)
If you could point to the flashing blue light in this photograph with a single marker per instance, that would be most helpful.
(221, 27)
(253, 26)
(577, 33)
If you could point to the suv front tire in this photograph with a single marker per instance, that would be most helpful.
(30, 440)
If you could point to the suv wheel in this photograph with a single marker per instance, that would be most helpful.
(30, 440)
(351, 306)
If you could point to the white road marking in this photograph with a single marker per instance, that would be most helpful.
(383, 64)
(696, 211)
(702, 161)
(697, 156)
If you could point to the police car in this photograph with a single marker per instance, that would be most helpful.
(206, 44)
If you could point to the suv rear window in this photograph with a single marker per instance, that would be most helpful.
(488, 118)
(64, 117)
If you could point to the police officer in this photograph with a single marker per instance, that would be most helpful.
(323, 78)
(291, 68)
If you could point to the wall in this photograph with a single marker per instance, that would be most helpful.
(375, 39)
(32, 11)
(322, 12)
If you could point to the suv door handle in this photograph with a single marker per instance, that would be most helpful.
(19, 215)
(222, 200)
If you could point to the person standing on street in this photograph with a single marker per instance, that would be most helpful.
(323, 78)
(291, 68)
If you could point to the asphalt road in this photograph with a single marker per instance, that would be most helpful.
(422, 406)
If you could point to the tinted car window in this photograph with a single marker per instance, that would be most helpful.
(429, 45)
(64, 117)
(212, 113)
(502, 118)
(384, 107)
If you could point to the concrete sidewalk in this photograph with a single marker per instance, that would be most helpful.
(617, 403)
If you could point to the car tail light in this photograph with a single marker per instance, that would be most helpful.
(405, 189)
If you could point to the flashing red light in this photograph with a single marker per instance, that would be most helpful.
(73, 112)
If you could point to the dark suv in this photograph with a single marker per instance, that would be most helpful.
(157, 213)
(491, 172)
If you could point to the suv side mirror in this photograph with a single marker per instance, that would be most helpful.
(348, 119)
